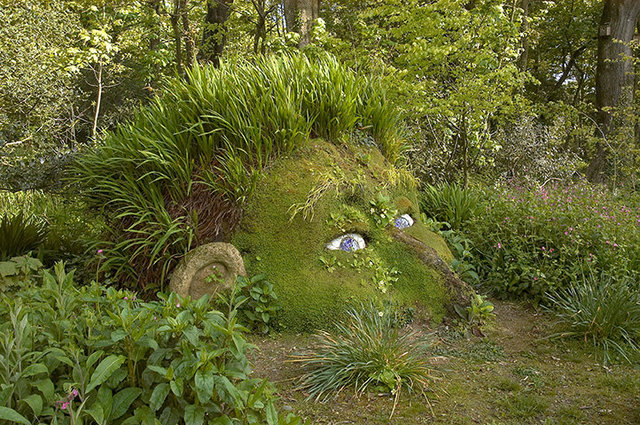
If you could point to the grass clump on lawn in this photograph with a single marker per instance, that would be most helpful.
(367, 352)
(602, 312)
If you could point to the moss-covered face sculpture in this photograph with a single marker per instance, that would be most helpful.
(333, 226)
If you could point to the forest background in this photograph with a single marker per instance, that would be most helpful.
(488, 89)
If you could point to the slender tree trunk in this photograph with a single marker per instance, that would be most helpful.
(98, 101)
(214, 35)
(177, 35)
(189, 42)
(614, 76)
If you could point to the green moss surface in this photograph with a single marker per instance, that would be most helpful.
(286, 242)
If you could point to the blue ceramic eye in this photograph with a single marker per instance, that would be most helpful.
(403, 222)
(348, 243)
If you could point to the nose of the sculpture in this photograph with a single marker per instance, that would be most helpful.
(459, 291)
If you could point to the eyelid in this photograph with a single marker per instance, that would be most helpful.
(335, 245)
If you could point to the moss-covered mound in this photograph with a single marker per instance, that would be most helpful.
(318, 194)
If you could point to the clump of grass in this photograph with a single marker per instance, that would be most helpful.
(180, 173)
(601, 312)
(367, 352)
(449, 203)
(19, 234)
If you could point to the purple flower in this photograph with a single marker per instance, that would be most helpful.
(100, 252)
(64, 405)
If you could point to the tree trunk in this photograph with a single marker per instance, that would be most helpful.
(189, 43)
(614, 76)
(299, 16)
(177, 35)
(214, 35)
(291, 15)
(309, 11)
(94, 128)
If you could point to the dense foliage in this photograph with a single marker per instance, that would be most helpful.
(92, 354)
(530, 240)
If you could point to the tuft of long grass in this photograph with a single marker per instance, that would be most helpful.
(449, 203)
(181, 171)
(601, 312)
(19, 234)
(368, 351)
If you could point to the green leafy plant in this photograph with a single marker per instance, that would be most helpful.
(78, 355)
(257, 303)
(330, 263)
(382, 210)
(479, 313)
(27, 390)
(534, 239)
(601, 312)
(17, 271)
(449, 203)
(20, 234)
(368, 351)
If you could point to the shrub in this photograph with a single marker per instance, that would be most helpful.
(257, 303)
(600, 312)
(180, 173)
(449, 203)
(366, 352)
(532, 239)
(20, 234)
(100, 355)
(17, 272)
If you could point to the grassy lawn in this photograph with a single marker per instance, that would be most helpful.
(512, 376)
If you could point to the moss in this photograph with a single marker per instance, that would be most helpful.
(289, 250)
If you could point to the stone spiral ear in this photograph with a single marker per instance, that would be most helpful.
(191, 277)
